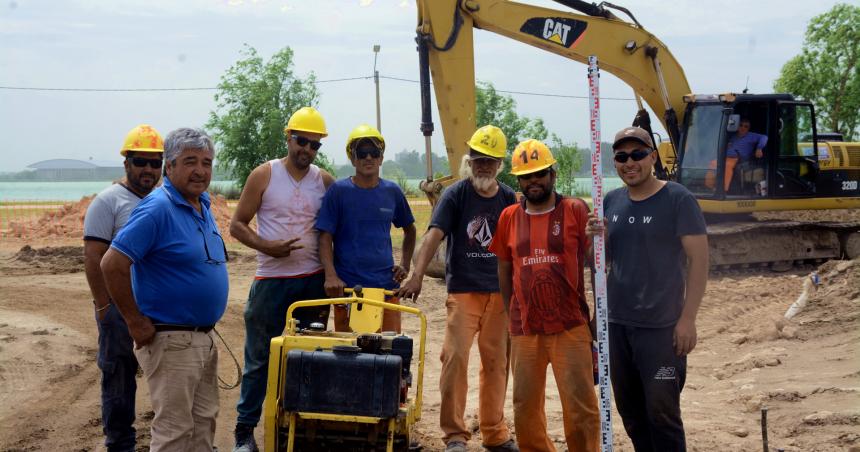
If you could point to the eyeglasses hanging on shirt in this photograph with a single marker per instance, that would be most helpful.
(209, 259)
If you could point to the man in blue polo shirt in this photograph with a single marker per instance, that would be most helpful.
(166, 272)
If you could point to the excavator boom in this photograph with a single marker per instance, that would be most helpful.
(626, 50)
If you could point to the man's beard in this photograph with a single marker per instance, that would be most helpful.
(481, 184)
(140, 186)
(537, 198)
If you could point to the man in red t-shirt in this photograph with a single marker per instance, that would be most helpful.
(540, 244)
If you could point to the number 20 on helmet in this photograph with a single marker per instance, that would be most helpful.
(530, 156)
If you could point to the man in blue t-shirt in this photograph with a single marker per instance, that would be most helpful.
(167, 273)
(355, 227)
(748, 148)
(466, 215)
(657, 254)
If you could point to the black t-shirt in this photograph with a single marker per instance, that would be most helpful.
(647, 275)
(468, 220)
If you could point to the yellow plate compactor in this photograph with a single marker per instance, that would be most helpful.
(343, 391)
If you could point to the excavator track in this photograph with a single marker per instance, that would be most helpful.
(779, 245)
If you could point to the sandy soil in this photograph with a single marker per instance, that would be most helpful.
(805, 371)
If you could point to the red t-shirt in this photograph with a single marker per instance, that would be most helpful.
(547, 252)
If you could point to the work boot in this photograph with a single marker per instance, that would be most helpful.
(507, 446)
(245, 441)
(456, 446)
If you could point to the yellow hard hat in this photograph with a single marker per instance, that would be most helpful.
(364, 131)
(489, 140)
(306, 119)
(530, 156)
(143, 138)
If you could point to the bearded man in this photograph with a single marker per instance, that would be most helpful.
(467, 214)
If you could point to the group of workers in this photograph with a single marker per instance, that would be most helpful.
(156, 264)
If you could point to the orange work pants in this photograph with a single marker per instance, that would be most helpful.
(569, 352)
(472, 313)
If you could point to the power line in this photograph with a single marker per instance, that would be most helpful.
(523, 93)
(334, 80)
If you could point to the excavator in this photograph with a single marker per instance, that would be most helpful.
(800, 170)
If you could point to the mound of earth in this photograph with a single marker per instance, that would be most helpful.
(51, 259)
(68, 221)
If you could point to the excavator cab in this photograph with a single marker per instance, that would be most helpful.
(712, 170)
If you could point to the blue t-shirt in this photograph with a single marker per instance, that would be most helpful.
(360, 219)
(179, 270)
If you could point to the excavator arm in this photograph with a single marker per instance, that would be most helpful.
(446, 47)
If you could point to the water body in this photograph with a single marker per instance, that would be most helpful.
(59, 191)
(73, 191)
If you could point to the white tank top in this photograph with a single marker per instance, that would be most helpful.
(289, 209)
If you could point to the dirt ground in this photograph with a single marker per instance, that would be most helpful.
(805, 371)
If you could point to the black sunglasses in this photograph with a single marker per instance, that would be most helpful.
(637, 155)
(537, 174)
(209, 259)
(362, 153)
(141, 162)
(302, 141)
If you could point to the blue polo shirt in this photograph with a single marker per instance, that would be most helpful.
(179, 270)
(360, 219)
(744, 147)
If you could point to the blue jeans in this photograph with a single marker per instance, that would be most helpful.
(119, 366)
(265, 318)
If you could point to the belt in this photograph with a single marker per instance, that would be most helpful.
(168, 327)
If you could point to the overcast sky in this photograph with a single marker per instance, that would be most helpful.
(190, 43)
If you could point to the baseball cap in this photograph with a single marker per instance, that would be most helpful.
(475, 154)
(633, 133)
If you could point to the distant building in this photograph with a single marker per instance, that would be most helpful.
(77, 170)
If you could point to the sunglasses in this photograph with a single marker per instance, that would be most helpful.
(302, 141)
(637, 155)
(141, 162)
(536, 175)
(362, 153)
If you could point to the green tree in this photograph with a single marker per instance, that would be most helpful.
(500, 111)
(569, 159)
(255, 99)
(827, 71)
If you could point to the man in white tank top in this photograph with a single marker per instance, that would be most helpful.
(285, 195)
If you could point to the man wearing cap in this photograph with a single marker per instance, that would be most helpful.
(106, 215)
(657, 250)
(355, 227)
(541, 244)
(175, 294)
(285, 195)
(467, 214)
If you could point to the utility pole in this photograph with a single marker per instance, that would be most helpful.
(376, 48)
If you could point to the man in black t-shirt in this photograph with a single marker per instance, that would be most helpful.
(657, 254)
(467, 214)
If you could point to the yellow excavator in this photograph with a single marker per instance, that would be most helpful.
(800, 170)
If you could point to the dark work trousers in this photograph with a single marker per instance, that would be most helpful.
(265, 318)
(647, 378)
(119, 366)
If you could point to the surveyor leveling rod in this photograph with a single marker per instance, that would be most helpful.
(601, 310)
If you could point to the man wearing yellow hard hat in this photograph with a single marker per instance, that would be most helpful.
(467, 214)
(142, 151)
(285, 195)
(541, 247)
(355, 227)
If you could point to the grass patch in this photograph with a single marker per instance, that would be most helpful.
(421, 211)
